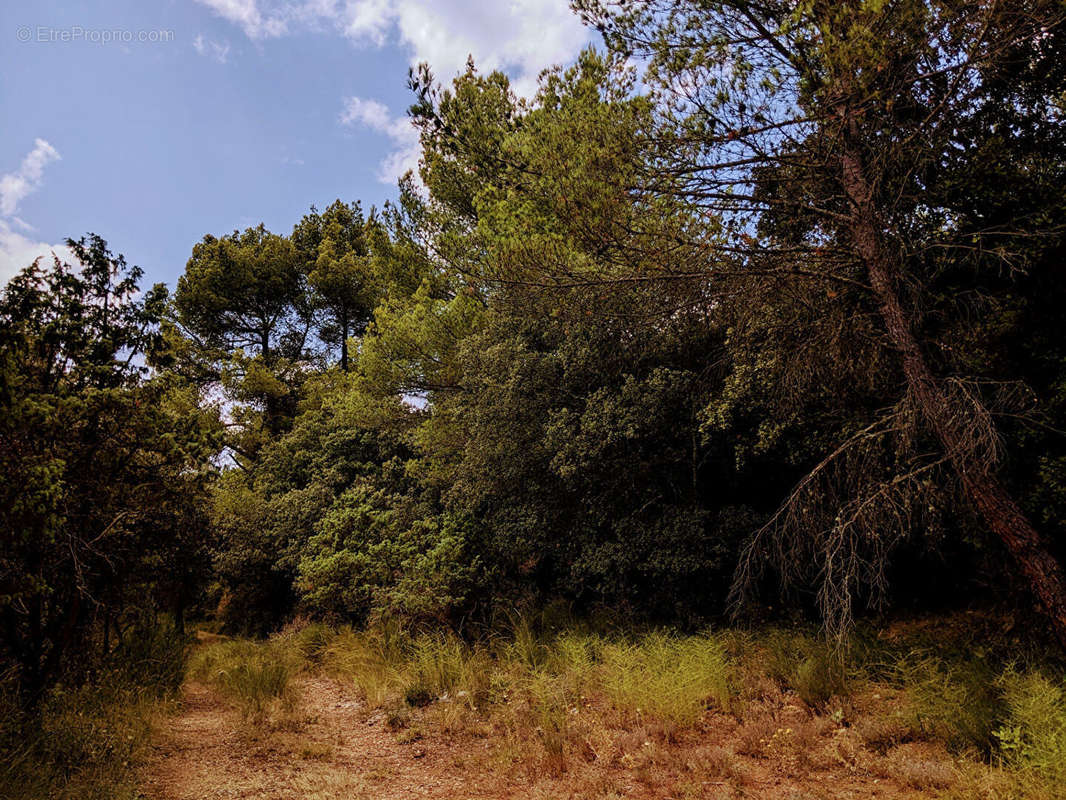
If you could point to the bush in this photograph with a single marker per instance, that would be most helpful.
(445, 665)
(954, 701)
(1033, 737)
(673, 678)
(372, 660)
(309, 641)
(83, 742)
(806, 664)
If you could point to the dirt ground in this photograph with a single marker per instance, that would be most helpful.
(332, 748)
(334, 751)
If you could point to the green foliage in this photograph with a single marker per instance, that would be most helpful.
(954, 700)
(671, 678)
(617, 329)
(1032, 738)
(243, 312)
(371, 559)
(243, 291)
(832, 145)
(339, 271)
(767, 313)
(372, 660)
(85, 742)
(105, 463)
(807, 664)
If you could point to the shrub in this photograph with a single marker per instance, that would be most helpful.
(806, 664)
(549, 705)
(673, 678)
(83, 742)
(1033, 737)
(955, 701)
(447, 666)
(372, 660)
(309, 641)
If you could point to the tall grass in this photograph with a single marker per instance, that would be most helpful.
(1032, 737)
(557, 695)
(255, 675)
(660, 675)
(807, 664)
(373, 661)
(953, 700)
(675, 679)
(84, 742)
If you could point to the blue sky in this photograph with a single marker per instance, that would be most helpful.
(153, 123)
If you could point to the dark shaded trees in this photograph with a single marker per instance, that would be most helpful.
(783, 291)
(244, 305)
(828, 138)
(100, 466)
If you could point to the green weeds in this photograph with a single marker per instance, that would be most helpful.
(84, 742)
(255, 675)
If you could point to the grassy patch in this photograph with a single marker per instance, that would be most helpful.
(255, 675)
(1032, 738)
(954, 701)
(807, 664)
(943, 721)
(84, 742)
(672, 678)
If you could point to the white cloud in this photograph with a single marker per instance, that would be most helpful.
(368, 20)
(14, 186)
(520, 37)
(247, 14)
(18, 251)
(370, 113)
(399, 129)
(219, 51)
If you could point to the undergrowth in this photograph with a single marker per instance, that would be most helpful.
(83, 742)
(561, 689)
(1032, 735)
(553, 699)
(256, 676)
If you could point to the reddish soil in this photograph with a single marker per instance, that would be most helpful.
(333, 749)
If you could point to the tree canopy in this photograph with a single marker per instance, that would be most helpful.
(753, 311)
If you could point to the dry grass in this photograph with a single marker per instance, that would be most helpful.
(254, 675)
(84, 743)
(673, 715)
(919, 767)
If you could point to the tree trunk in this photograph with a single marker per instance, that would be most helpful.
(107, 631)
(344, 340)
(983, 487)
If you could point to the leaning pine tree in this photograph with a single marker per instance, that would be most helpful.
(839, 142)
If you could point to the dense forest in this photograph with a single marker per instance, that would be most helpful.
(752, 314)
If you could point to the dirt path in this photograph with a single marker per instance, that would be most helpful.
(335, 750)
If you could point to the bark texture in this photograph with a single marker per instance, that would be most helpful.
(982, 485)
